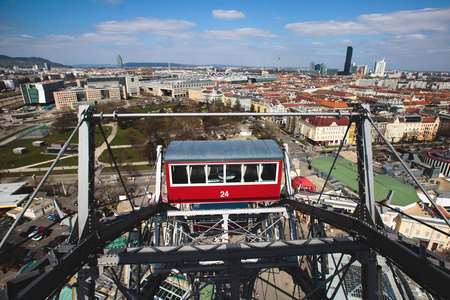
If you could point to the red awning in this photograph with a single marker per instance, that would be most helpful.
(303, 184)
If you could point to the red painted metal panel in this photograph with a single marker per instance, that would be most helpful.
(232, 192)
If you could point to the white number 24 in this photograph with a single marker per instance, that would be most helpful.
(224, 194)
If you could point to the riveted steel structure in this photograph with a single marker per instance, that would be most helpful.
(270, 238)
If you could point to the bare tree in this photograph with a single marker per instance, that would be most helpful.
(132, 137)
(131, 170)
(65, 121)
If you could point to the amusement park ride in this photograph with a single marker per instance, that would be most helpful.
(225, 222)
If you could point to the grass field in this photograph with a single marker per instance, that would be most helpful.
(9, 160)
(346, 172)
(70, 161)
(121, 136)
(39, 173)
(127, 155)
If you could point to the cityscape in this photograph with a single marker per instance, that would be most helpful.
(207, 154)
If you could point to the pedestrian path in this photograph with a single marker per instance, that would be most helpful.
(98, 151)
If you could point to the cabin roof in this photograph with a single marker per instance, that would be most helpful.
(220, 151)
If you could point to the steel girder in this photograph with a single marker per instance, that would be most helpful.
(227, 251)
(43, 278)
(430, 273)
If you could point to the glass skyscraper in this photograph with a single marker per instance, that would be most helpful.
(119, 62)
(348, 60)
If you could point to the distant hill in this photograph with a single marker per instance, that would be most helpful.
(153, 65)
(26, 62)
(134, 65)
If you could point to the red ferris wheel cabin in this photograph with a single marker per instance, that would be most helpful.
(223, 171)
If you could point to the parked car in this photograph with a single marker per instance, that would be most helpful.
(54, 217)
(29, 256)
(35, 230)
(40, 234)
(47, 232)
(37, 237)
(30, 229)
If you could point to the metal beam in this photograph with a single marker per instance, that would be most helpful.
(429, 273)
(86, 173)
(39, 283)
(287, 169)
(220, 252)
(233, 211)
(116, 115)
(365, 168)
(157, 194)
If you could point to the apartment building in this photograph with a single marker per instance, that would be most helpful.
(64, 99)
(326, 131)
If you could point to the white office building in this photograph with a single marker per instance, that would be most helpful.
(379, 68)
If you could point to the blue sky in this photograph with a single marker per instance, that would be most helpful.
(410, 35)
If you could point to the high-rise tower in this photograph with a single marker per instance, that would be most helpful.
(348, 60)
(279, 61)
(379, 68)
(119, 62)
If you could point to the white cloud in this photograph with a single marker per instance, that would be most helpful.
(240, 34)
(416, 44)
(280, 19)
(150, 26)
(327, 28)
(408, 21)
(401, 22)
(227, 14)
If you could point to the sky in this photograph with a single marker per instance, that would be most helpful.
(409, 35)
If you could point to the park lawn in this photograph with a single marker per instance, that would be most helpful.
(124, 169)
(127, 155)
(99, 140)
(9, 135)
(70, 161)
(121, 136)
(38, 173)
(9, 160)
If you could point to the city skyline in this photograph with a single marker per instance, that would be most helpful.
(412, 35)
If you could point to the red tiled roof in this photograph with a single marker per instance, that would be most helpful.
(326, 121)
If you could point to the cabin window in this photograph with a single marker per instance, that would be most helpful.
(268, 172)
(215, 173)
(197, 174)
(179, 175)
(223, 173)
(251, 173)
(234, 173)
